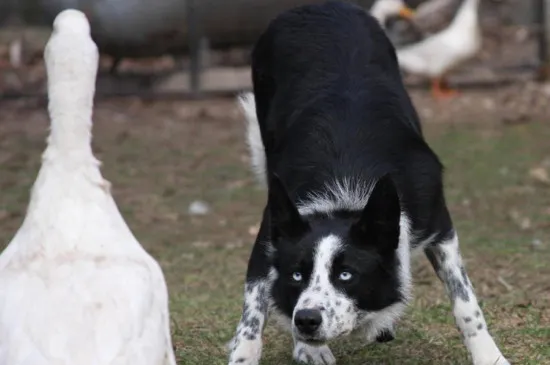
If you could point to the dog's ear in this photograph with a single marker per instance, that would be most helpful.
(378, 226)
(284, 216)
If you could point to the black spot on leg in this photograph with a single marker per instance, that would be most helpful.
(480, 326)
(477, 313)
(254, 308)
(254, 325)
(433, 258)
(240, 360)
(467, 319)
(261, 304)
(441, 256)
(464, 276)
(455, 287)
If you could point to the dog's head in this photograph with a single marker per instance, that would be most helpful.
(340, 270)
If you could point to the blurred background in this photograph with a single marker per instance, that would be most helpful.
(170, 135)
(192, 46)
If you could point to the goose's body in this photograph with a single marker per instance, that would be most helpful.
(439, 53)
(76, 287)
(433, 16)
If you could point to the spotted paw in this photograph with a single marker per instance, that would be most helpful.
(386, 335)
(376, 334)
(245, 352)
(313, 355)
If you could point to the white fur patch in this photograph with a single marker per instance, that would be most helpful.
(344, 194)
(254, 137)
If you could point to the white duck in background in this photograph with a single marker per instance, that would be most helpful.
(76, 287)
(433, 16)
(438, 54)
(383, 9)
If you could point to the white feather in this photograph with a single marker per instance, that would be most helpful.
(76, 287)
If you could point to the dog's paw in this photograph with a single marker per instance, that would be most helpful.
(386, 335)
(380, 335)
(313, 355)
(245, 352)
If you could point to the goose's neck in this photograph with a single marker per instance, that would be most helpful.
(71, 123)
(467, 14)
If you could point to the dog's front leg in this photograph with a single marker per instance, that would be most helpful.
(246, 346)
(447, 262)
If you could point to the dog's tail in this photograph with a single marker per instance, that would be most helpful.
(254, 137)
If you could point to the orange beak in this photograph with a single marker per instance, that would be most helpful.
(406, 12)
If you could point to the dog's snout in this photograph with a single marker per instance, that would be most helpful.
(308, 320)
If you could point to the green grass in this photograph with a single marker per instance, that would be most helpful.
(159, 164)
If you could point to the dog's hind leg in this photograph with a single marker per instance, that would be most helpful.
(447, 262)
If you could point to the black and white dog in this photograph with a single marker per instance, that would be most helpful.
(353, 188)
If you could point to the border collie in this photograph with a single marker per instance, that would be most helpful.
(352, 189)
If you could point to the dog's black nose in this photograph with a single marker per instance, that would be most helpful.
(308, 320)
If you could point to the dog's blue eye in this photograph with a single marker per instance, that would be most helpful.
(297, 276)
(345, 276)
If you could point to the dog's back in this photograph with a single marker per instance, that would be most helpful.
(333, 111)
(317, 51)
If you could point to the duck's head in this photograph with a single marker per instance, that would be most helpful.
(71, 21)
(383, 9)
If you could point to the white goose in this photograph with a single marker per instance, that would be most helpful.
(76, 287)
(383, 9)
(443, 51)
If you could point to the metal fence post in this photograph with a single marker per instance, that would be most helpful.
(542, 14)
(194, 35)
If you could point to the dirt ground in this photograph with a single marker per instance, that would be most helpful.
(163, 156)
